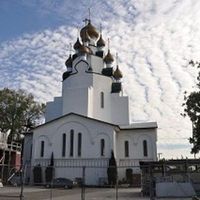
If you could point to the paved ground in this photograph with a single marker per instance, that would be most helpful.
(39, 193)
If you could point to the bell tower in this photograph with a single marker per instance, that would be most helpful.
(91, 85)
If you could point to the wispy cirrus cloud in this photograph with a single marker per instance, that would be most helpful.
(154, 39)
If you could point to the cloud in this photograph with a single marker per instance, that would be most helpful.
(154, 39)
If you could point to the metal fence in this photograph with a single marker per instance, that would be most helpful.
(89, 182)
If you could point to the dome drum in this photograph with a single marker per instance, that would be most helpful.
(116, 87)
(107, 71)
(99, 54)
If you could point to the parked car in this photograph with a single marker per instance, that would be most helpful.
(60, 183)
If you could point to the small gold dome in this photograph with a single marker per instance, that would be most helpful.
(68, 62)
(77, 44)
(108, 58)
(101, 42)
(91, 30)
(85, 50)
(117, 73)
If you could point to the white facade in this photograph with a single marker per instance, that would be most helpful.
(93, 109)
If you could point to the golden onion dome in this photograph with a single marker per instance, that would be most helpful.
(101, 42)
(68, 62)
(85, 50)
(108, 58)
(86, 37)
(77, 44)
(91, 30)
(117, 73)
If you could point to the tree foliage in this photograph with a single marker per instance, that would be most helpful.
(192, 110)
(19, 112)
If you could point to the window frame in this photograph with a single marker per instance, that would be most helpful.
(42, 148)
(63, 144)
(126, 148)
(79, 144)
(102, 99)
(102, 147)
(145, 148)
(71, 152)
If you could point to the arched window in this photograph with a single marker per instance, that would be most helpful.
(42, 149)
(79, 143)
(102, 147)
(102, 99)
(126, 149)
(71, 143)
(145, 148)
(63, 145)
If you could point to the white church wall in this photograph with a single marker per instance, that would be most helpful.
(135, 138)
(76, 91)
(96, 63)
(53, 109)
(119, 109)
(76, 101)
(91, 131)
(102, 84)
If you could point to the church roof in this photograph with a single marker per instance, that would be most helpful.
(138, 125)
(97, 120)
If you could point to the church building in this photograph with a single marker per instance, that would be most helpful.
(91, 118)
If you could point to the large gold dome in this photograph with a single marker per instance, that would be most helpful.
(91, 30)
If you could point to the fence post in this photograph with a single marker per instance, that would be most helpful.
(83, 184)
(2, 166)
(152, 197)
(22, 182)
(116, 195)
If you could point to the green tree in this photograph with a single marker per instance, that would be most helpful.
(19, 112)
(192, 110)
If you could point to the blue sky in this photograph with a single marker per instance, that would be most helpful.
(18, 17)
(155, 39)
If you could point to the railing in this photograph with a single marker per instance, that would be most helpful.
(126, 162)
(89, 162)
(14, 146)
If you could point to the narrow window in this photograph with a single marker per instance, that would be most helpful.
(102, 147)
(102, 100)
(126, 148)
(71, 143)
(145, 149)
(63, 145)
(42, 149)
(79, 143)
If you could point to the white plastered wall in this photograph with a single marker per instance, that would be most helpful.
(92, 132)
